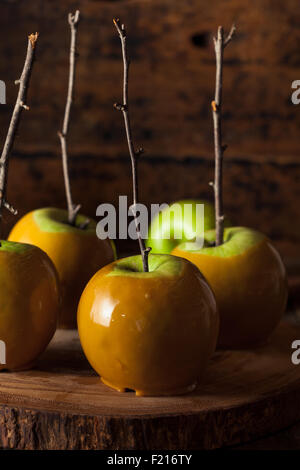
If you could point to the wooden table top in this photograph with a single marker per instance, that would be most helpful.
(61, 404)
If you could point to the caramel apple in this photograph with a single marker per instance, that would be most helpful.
(67, 236)
(29, 286)
(248, 279)
(30, 303)
(147, 323)
(151, 332)
(76, 253)
(241, 265)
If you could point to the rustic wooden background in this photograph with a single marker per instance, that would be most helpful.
(171, 86)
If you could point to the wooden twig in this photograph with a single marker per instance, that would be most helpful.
(73, 209)
(23, 83)
(132, 152)
(220, 43)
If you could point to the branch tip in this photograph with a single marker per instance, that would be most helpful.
(214, 106)
(139, 152)
(10, 208)
(120, 27)
(73, 18)
(230, 35)
(24, 106)
(61, 135)
(33, 39)
(76, 208)
(120, 107)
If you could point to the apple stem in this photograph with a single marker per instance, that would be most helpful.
(134, 154)
(220, 43)
(73, 209)
(20, 104)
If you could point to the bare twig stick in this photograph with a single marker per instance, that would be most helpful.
(10, 208)
(23, 83)
(73, 209)
(220, 43)
(230, 35)
(132, 152)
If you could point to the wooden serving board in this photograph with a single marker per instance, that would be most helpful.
(62, 404)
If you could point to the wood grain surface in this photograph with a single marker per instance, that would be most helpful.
(172, 75)
(38, 182)
(171, 85)
(61, 404)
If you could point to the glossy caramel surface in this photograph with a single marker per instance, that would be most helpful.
(29, 305)
(250, 290)
(76, 255)
(150, 333)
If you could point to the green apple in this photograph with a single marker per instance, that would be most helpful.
(152, 332)
(175, 220)
(248, 279)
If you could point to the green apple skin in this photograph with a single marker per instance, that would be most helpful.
(160, 229)
(152, 332)
(53, 220)
(248, 279)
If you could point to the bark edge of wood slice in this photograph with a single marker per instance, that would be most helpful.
(61, 404)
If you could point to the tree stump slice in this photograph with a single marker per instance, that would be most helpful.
(61, 404)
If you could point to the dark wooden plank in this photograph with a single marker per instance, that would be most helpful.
(255, 194)
(172, 75)
(171, 86)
